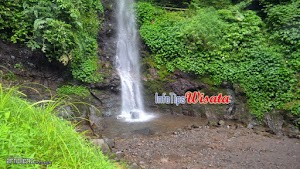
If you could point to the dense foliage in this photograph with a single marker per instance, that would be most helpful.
(42, 136)
(65, 30)
(68, 90)
(230, 43)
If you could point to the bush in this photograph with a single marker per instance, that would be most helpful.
(65, 31)
(73, 90)
(212, 3)
(230, 44)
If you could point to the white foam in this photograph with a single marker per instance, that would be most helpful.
(143, 117)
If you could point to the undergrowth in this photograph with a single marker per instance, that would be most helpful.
(233, 44)
(68, 90)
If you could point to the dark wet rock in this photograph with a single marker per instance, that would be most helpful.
(212, 116)
(275, 121)
(109, 102)
(111, 82)
(231, 105)
(95, 120)
(194, 126)
(182, 85)
(292, 131)
(188, 113)
(102, 144)
(237, 109)
(107, 114)
(34, 68)
(144, 131)
(110, 142)
(135, 115)
(93, 111)
(106, 38)
(66, 112)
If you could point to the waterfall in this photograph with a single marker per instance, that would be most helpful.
(127, 62)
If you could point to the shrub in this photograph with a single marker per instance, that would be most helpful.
(229, 44)
(65, 31)
(73, 90)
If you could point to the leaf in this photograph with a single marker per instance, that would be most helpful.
(6, 115)
(38, 23)
(64, 59)
(36, 13)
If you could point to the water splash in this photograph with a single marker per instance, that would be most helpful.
(128, 65)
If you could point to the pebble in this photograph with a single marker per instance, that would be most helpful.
(120, 154)
(134, 166)
(250, 126)
(221, 123)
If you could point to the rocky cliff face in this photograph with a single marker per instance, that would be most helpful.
(180, 83)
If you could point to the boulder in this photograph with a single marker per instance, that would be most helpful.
(182, 85)
(135, 114)
(275, 121)
(102, 144)
(110, 142)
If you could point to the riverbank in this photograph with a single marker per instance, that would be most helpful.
(202, 147)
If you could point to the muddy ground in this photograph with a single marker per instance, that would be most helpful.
(204, 147)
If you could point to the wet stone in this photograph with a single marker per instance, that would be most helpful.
(134, 115)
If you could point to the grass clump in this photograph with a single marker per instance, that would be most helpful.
(33, 131)
(68, 90)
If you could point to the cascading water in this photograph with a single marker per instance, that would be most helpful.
(127, 63)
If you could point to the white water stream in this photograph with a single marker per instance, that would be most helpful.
(128, 64)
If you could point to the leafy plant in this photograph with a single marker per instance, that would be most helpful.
(57, 28)
(18, 66)
(73, 90)
(9, 76)
(230, 44)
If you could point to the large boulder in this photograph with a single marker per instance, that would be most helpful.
(102, 145)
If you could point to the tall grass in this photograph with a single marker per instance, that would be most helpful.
(33, 131)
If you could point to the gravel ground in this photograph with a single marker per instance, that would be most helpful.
(204, 147)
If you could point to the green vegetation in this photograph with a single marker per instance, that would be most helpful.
(227, 42)
(65, 30)
(67, 90)
(9, 76)
(18, 66)
(33, 131)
